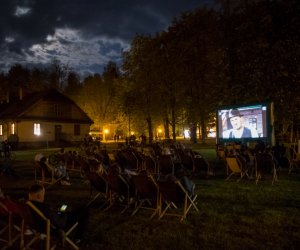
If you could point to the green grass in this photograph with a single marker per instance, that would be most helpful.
(231, 215)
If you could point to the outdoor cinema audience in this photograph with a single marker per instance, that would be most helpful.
(59, 168)
(60, 220)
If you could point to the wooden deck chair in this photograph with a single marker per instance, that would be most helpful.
(118, 191)
(174, 200)
(12, 216)
(201, 165)
(150, 165)
(235, 167)
(187, 161)
(166, 165)
(98, 183)
(147, 193)
(44, 175)
(49, 240)
(265, 167)
(294, 163)
(7, 231)
(221, 154)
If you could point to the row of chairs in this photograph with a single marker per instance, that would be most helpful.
(18, 231)
(264, 167)
(163, 198)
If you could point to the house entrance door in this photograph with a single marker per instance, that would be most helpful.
(58, 129)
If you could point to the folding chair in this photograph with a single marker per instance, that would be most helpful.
(12, 223)
(235, 167)
(265, 166)
(202, 165)
(150, 165)
(147, 193)
(294, 162)
(166, 165)
(98, 183)
(187, 161)
(119, 191)
(51, 242)
(43, 174)
(174, 200)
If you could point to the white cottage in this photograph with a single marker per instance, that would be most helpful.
(43, 118)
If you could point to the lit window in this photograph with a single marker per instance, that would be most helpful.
(37, 129)
(1, 131)
(13, 129)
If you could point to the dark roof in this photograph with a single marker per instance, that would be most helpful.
(14, 109)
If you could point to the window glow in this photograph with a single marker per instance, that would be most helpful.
(1, 131)
(13, 127)
(37, 129)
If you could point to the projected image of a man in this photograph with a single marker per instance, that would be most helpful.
(239, 130)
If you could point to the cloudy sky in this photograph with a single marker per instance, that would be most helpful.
(83, 34)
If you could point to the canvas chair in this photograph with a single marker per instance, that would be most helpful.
(294, 163)
(12, 214)
(235, 167)
(202, 165)
(174, 200)
(118, 191)
(150, 165)
(221, 154)
(147, 193)
(98, 183)
(187, 161)
(51, 241)
(166, 165)
(265, 167)
(44, 175)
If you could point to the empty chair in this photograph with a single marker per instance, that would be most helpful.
(235, 167)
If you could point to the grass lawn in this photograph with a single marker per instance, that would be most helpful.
(231, 215)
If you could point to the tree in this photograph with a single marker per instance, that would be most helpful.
(139, 69)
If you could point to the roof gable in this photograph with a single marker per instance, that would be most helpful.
(45, 105)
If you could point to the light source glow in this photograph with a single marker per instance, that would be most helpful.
(186, 133)
(37, 129)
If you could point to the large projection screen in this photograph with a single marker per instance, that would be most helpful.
(245, 123)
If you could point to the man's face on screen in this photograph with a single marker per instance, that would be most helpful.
(236, 122)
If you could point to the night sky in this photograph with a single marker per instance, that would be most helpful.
(83, 34)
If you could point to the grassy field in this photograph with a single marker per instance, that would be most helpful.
(231, 215)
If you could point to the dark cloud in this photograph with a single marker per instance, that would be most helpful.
(24, 24)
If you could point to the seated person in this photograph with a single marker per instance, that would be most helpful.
(60, 220)
(60, 170)
(186, 182)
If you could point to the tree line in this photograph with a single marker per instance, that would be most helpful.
(241, 52)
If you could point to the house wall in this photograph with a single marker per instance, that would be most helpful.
(25, 131)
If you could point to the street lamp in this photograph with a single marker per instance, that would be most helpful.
(106, 131)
